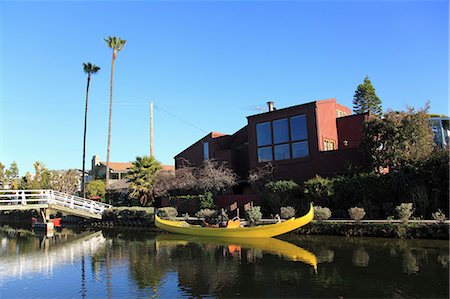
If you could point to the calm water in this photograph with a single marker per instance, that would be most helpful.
(136, 264)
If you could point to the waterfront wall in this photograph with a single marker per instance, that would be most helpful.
(382, 230)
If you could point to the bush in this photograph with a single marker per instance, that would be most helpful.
(254, 215)
(356, 213)
(129, 216)
(280, 193)
(287, 212)
(96, 188)
(439, 216)
(204, 213)
(321, 213)
(319, 190)
(167, 212)
(404, 211)
(206, 201)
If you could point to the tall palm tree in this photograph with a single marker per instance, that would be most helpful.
(89, 69)
(116, 44)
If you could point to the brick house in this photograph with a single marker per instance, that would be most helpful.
(302, 141)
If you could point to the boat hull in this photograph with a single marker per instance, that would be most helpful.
(262, 231)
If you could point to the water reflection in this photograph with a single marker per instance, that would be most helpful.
(141, 264)
(40, 253)
(235, 246)
(360, 257)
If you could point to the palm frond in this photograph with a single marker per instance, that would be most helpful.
(90, 68)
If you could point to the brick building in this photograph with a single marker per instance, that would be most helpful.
(316, 138)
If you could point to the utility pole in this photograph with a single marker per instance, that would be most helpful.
(152, 153)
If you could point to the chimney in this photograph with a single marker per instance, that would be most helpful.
(95, 161)
(270, 106)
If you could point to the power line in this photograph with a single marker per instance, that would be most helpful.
(179, 118)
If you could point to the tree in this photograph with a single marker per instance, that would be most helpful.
(141, 177)
(366, 100)
(66, 181)
(96, 188)
(12, 176)
(2, 176)
(116, 44)
(89, 69)
(40, 179)
(215, 177)
(399, 139)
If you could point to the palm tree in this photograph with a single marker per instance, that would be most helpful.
(116, 44)
(141, 177)
(89, 69)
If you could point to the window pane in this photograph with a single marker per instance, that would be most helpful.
(263, 134)
(300, 149)
(206, 151)
(282, 152)
(298, 127)
(280, 131)
(265, 154)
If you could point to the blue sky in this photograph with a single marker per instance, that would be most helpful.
(210, 63)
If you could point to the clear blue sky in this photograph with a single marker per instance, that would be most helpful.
(205, 62)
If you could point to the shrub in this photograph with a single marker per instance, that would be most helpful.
(287, 212)
(404, 211)
(254, 215)
(439, 216)
(206, 201)
(319, 189)
(356, 213)
(167, 212)
(280, 193)
(204, 213)
(321, 213)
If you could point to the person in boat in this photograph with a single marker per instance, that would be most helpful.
(210, 222)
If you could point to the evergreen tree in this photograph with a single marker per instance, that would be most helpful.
(2, 176)
(12, 176)
(366, 100)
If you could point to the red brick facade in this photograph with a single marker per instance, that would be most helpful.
(331, 145)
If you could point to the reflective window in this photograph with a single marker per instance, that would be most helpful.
(328, 145)
(300, 149)
(265, 154)
(280, 131)
(263, 134)
(298, 128)
(282, 152)
(205, 150)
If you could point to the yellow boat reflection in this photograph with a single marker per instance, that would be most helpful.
(282, 248)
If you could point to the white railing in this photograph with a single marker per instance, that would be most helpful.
(50, 197)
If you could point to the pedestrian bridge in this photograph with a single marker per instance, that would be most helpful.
(53, 200)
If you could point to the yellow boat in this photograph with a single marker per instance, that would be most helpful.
(261, 231)
(274, 246)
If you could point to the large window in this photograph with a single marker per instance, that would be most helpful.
(205, 150)
(282, 139)
(263, 133)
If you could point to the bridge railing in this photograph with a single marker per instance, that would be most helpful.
(51, 197)
(23, 197)
(77, 203)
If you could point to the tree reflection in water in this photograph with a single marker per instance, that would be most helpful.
(143, 264)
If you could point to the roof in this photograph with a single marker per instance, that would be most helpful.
(118, 165)
(168, 167)
(211, 135)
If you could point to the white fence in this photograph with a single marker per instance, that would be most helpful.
(50, 198)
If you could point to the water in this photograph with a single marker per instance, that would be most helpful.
(139, 264)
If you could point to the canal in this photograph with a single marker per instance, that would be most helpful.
(116, 263)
